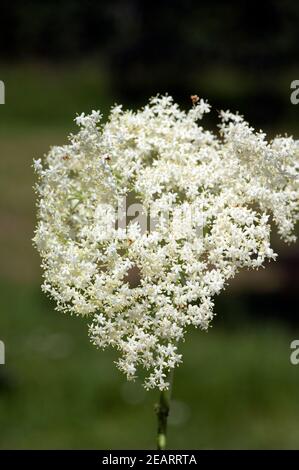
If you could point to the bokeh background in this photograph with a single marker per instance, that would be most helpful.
(236, 387)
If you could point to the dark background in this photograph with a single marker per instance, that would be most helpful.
(239, 53)
(236, 387)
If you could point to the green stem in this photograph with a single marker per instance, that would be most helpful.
(162, 410)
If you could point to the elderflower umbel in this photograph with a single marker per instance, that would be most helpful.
(231, 185)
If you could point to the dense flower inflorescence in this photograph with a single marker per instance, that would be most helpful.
(212, 198)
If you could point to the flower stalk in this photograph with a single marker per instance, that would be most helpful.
(162, 410)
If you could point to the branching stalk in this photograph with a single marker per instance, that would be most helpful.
(162, 410)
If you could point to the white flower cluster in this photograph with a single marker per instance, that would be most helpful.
(142, 289)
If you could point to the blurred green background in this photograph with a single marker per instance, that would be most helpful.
(236, 387)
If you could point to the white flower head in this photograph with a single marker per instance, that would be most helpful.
(210, 199)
